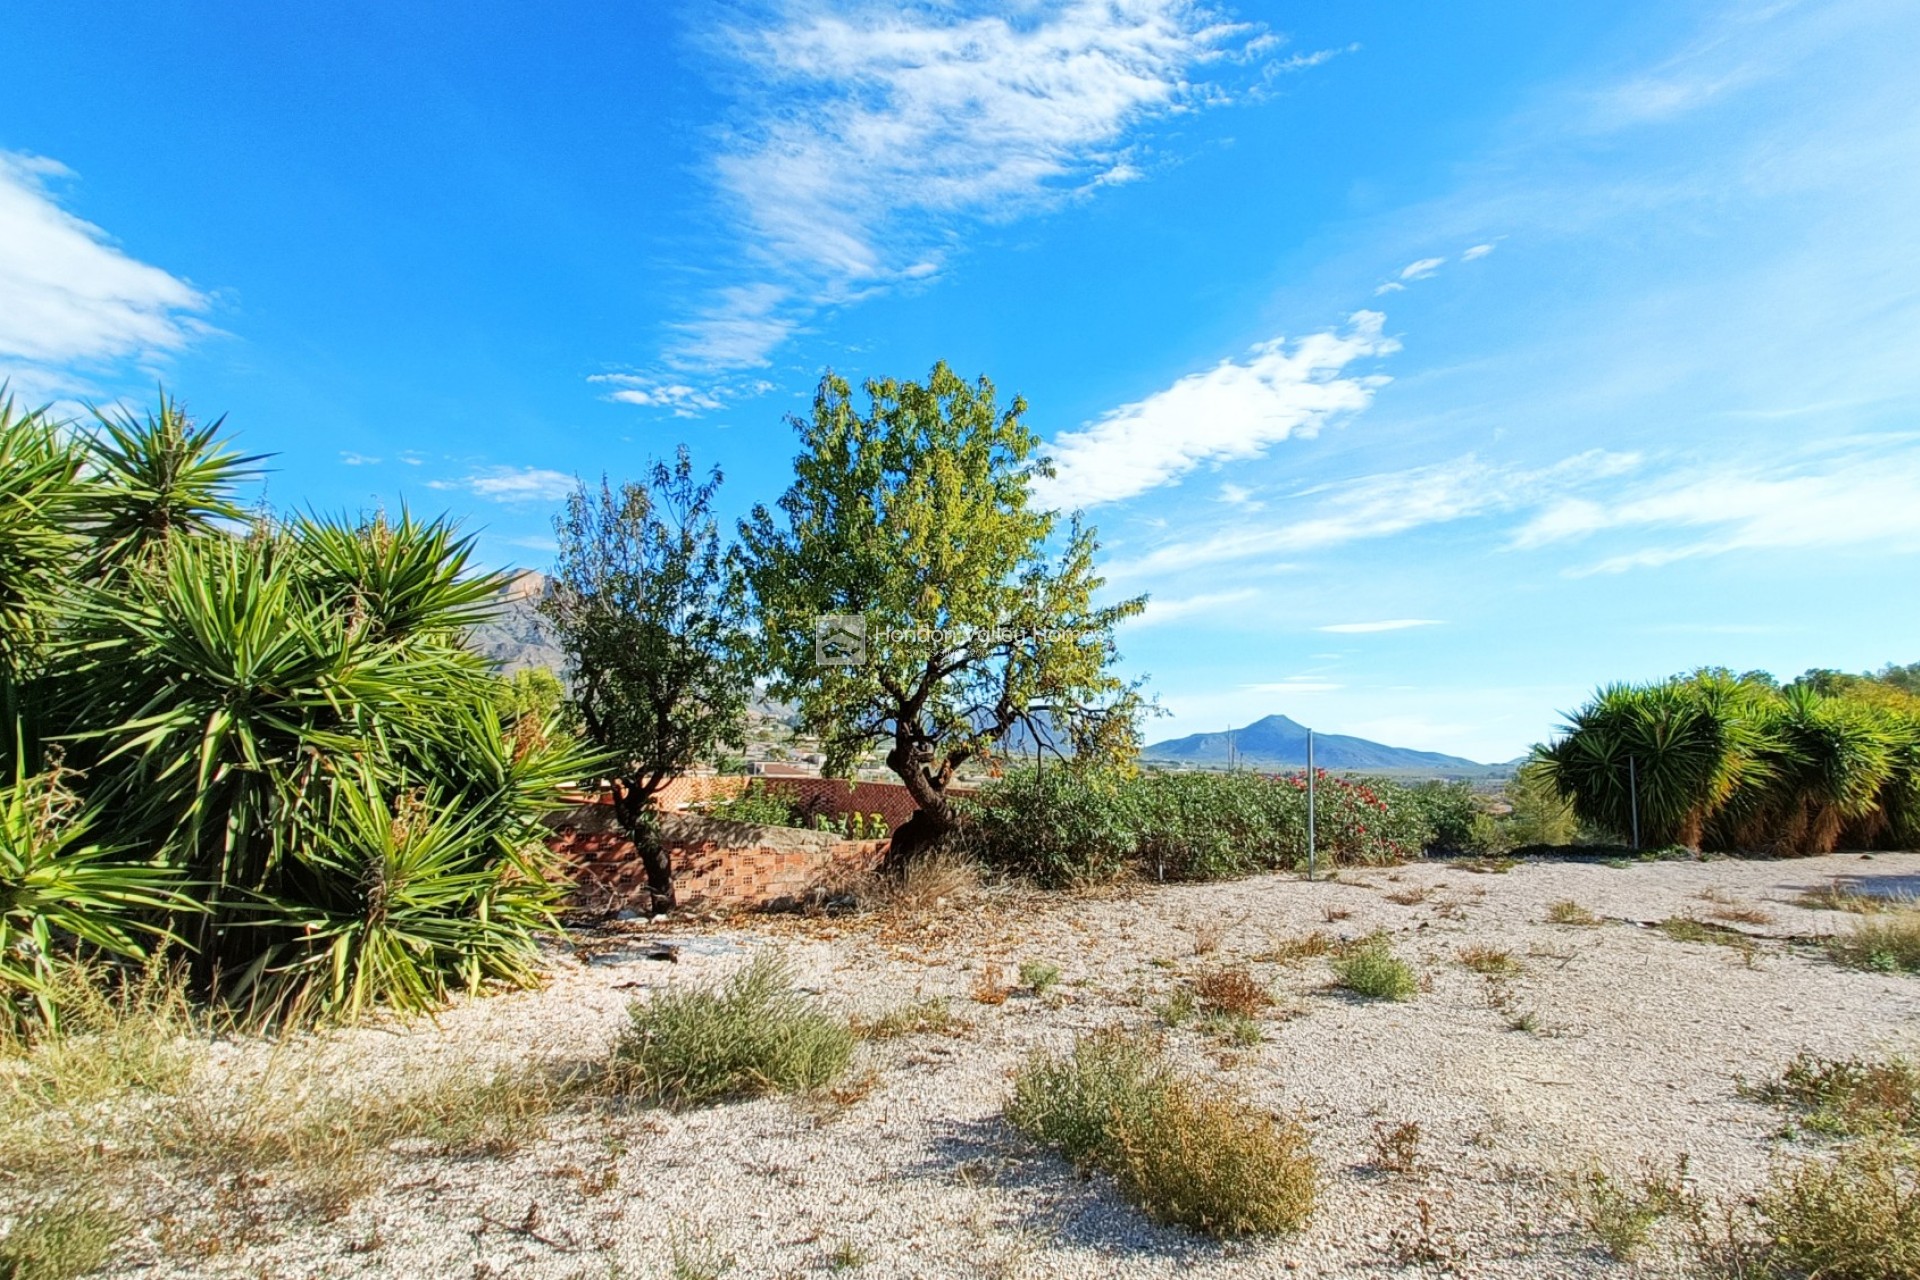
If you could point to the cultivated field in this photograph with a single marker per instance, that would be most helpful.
(1454, 1129)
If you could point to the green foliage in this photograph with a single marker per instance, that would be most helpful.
(1371, 969)
(1068, 825)
(61, 1240)
(1855, 1216)
(649, 614)
(1039, 975)
(1622, 1211)
(1738, 763)
(1882, 943)
(917, 517)
(1185, 1155)
(756, 803)
(752, 1034)
(1849, 1097)
(254, 719)
(57, 888)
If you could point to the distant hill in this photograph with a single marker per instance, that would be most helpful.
(1279, 743)
(517, 638)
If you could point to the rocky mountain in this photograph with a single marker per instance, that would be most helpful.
(517, 638)
(1280, 743)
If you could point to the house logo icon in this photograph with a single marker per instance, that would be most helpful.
(839, 640)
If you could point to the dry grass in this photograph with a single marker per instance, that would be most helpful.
(1568, 911)
(1886, 943)
(1491, 962)
(1732, 910)
(1231, 991)
(1306, 946)
(923, 1017)
(940, 880)
(1833, 897)
(1409, 897)
(1396, 1147)
(991, 987)
(1850, 1097)
(1184, 1153)
(61, 1239)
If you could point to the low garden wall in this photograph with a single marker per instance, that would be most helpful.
(831, 797)
(716, 864)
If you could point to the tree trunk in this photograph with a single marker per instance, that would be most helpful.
(641, 822)
(932, 820)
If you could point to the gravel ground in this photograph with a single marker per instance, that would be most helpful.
(1637, 1046)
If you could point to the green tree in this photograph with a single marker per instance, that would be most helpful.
(916, 519)
(646, 607)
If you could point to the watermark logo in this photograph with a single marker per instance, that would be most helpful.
(839, 640)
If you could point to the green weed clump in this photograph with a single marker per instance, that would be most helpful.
(61, 1241)
(1038, 975)
(1184, 1155)
(1848, 1097)
(1372, 970)
(750, 1035)
(922, 1017)
(1568, 911)
(1888, 943)
(1854, 1217)
(1622, 1212)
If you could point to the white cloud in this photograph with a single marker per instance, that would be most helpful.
(1367, 628)
(1233, 411)
(1238, 495)
(1380, 506)
(352, 459)
(68, 295)
(1422, 269)
(866, 135)
(1391, 286)
(1304, 61)
(1866, 499)
(1294, 684)
(512, 484)
(1477, 252)
(1158, 611)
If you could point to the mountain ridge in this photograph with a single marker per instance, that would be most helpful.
(1276, 741)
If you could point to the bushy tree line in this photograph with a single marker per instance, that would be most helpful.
(1088, 825)
(1741, 763)
(262, 739)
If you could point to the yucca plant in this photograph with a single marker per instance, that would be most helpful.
(60, 890)
(1675, 753)
(1829, 759)
(157, 480)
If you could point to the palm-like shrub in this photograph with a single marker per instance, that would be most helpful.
(58, 884)
(1739, 764)
(284, 721)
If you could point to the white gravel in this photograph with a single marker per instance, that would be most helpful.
(1640, 1044)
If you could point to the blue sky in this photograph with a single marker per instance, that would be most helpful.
(1429, 365)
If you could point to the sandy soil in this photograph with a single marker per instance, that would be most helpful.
(1637, 1047)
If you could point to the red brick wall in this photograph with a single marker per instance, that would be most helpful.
(833, 797)
(727, 864)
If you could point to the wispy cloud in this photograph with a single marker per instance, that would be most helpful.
(1380, 506)
(1422, 269)
(1294, 684)
(68, 294)
(352, 459)
(1158, 611)
(1367, 628)
(867, 136)
(1236, 410)
(1477, 252)
(512, 484)
(1865, 498)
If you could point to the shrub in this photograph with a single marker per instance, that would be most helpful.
(1039, 975)
(1070, 825)
(1853, 1217)
(749, 1035)
(757, 804)
(1396, 1147)
(1883, 944)
(1621, 1212)
(1372, 970)
(62, 1240)
(920, 1018)
(1187, 1157)
(1849, 1097)
(1232, 991)
(1491, 962)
